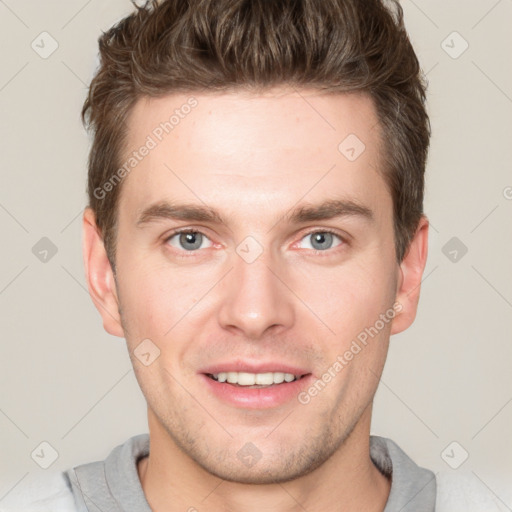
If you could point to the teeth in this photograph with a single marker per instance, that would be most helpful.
(279, 377)
(251, 379)
(264, 379)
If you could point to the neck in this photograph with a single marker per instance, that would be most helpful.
(348, 481)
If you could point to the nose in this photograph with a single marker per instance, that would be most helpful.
(256, 298)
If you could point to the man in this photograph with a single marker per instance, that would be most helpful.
(255, 231)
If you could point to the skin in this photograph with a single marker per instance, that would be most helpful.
(253, 158)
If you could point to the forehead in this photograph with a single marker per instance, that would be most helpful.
(269, 149)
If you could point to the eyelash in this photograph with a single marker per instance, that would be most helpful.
(316, 252)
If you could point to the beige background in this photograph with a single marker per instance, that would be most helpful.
(64, 381)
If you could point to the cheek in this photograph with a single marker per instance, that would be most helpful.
(351, 297)
(156, 299)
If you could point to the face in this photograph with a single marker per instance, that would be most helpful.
(253, 249)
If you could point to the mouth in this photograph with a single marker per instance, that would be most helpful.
(256, 388)
(254, 380)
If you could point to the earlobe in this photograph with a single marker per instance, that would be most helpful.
(99, 275)
(410, 276)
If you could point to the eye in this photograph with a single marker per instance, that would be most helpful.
(321, 240)
(189, 240)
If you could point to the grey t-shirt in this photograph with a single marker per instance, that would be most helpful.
(114, 485)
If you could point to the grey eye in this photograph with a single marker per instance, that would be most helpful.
(190, 241)
(320, 240)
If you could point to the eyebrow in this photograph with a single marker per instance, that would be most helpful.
(329, 209)
(326, 210)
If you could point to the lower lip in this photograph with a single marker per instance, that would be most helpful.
(257, 398)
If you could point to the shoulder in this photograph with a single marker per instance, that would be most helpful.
(48, 493)
(465, 492)
(452, 491)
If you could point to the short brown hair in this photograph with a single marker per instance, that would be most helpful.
(220, 45)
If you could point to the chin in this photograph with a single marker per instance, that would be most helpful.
(282, 464)
(260, 474)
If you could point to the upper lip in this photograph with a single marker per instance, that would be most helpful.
(252, 367)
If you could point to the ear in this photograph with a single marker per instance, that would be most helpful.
(410, 274)
(99, 275)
